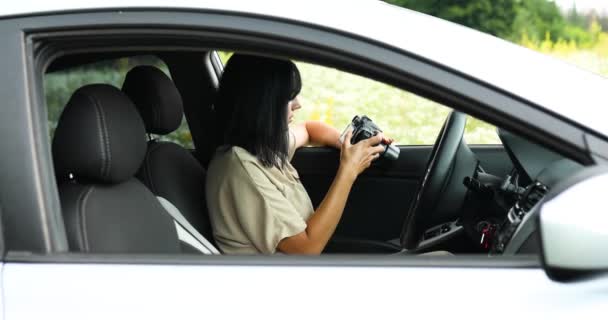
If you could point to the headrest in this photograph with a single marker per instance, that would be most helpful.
(156, 97)
(100, 136)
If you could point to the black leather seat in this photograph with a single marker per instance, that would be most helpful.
(98, 147)
(169, 170)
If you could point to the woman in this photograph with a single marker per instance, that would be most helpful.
(256, 201)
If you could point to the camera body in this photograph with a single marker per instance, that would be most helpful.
(364, 128)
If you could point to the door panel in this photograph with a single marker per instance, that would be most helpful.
(383, 194)
(380, 197)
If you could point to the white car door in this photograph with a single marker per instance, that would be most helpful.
(215, 291)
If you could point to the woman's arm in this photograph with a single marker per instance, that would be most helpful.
(317, 133)
(320, 133)
(322, 224)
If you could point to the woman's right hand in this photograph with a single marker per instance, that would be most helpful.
(355, 158)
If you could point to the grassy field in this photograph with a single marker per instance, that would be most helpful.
(335, 97)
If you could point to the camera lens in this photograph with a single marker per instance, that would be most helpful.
(391, 152)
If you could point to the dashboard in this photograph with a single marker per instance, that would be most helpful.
(537, 170)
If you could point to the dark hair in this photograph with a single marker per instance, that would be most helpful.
(251, 106)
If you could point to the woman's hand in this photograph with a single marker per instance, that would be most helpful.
(355, 158)
(386, 140)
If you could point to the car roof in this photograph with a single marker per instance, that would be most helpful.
(546, 81)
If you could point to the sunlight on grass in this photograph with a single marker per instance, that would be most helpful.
(335, 97)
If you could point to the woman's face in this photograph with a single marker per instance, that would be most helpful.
(292, 106)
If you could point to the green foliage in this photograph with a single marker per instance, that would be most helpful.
(510, 19)
(490, 16)
(540, 19)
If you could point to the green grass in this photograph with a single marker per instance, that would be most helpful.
(335, 97)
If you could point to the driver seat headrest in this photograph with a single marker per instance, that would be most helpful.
(156, 97)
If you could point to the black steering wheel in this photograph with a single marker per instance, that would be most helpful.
(441, 192)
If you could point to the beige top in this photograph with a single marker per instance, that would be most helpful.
(253, 207)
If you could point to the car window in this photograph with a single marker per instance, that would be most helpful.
(335, 96)
(60, 85)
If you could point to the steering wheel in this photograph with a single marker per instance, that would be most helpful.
(441, 192)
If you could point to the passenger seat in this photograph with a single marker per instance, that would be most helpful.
(97, 148)
(169, 170)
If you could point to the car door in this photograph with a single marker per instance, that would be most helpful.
(41, 278)
(112, 288)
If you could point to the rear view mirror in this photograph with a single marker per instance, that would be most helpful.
(574, 226)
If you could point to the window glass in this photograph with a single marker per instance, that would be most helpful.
(479, 132)
(60, 85)
(334, 97)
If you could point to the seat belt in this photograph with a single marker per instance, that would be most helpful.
(185, 231)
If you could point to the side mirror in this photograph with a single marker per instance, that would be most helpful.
(574, 226)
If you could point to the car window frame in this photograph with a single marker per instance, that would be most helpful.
(286, 37)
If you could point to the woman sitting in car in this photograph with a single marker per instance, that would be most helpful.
(256, 201)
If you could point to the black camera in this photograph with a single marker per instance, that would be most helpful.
(364, 128)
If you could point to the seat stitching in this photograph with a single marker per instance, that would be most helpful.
(107, 143)
(107, 163)
(82, 201)
(100, 133)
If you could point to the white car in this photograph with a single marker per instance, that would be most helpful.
(97, 223)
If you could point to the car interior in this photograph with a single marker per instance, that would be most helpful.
(128, 184)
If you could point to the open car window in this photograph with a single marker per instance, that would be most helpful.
(334, 97)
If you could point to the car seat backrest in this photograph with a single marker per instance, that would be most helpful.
(169, 170)
(98, 146)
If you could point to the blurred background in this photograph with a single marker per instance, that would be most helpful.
(572, 30)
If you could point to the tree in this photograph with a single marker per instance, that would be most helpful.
(537, 20)
(575, 18)
(491, 16)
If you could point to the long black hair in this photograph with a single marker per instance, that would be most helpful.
(251, 106)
